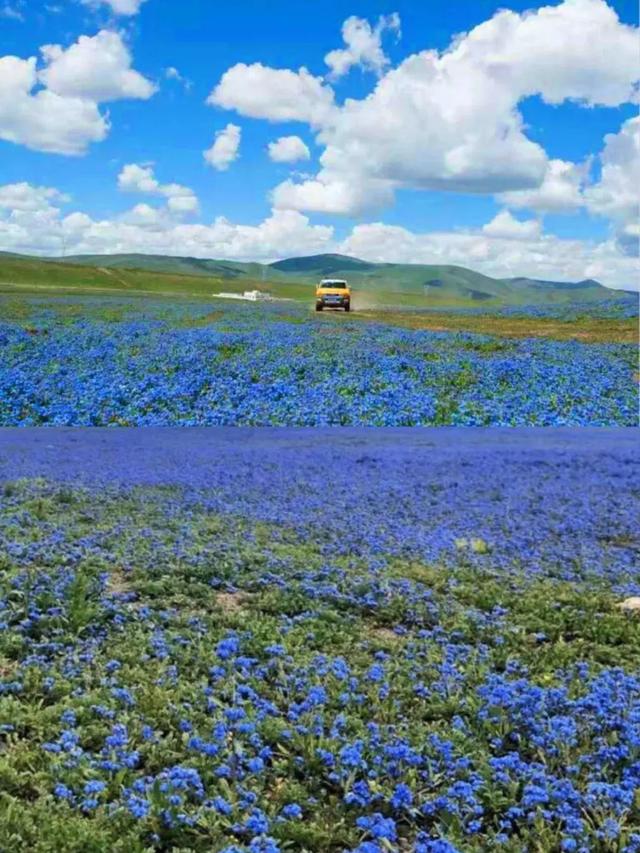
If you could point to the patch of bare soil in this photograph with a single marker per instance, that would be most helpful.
(232, 602)
(118, 583)
(385, 635)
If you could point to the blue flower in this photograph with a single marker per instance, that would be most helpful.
(227, 648)
(138, 806)
(222, 806)
(402, 797)
(62, 792)
(292, 811)
(257, 822)
(378, 826)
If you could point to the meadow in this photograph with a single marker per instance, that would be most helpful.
(134, 361)
(289, 640)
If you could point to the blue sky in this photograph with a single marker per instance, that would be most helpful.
(168, 128)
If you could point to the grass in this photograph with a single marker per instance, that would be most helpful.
(20, 277)
(129, 636)
(36, 276)
(586, 329)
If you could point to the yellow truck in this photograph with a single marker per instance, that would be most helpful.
(333, 293)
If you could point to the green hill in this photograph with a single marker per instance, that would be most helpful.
(177, 265)
(323, 265)
(440, 284)
(28, 273)
(374, 283)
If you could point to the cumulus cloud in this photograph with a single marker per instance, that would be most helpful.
(363, 45)
(450, 120)
(95, 67)
(560, 191)
(140, 179)
(46, 230)
(615, 194)
(117, 7)
(275, 94)
(31, 220)
(55, 108)
(144, 215)
(331, 194)
(44, 120)
(225, 148)
(628, 239)
(547, 257)
(505, 226)
(288, 149)
(25, 197)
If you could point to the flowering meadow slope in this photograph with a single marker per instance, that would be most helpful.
(316, 640)
(124, 361)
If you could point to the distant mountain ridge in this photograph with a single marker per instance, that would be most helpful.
(437, 283)
(327, 264)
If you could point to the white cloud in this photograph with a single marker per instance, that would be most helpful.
(274, 94)
(225, 148)
(97, 68)
(450, 120)
(505, 226)
(181, 199)
(288, 149)
(327, 194)
(577, 50)
(45, 230)
(363, 45)
(546, 257)
(172, 73)
(560, 190)
(25, 197)
(44, 120)
(135, 178)
(63, 117)
(29, 225)
(144, 216)
(615, 195)
(118, 7)
(628, 239)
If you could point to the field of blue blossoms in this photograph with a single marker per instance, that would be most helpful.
(622, 307)
(383, 641)
(88, 361)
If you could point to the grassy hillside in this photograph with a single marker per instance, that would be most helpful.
(374, 284)
(440, 284)
(227, 270)
(18, 272)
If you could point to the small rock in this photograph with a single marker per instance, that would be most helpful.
(632, 603)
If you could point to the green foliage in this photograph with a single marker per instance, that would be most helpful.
(419, 284)
(171, 580)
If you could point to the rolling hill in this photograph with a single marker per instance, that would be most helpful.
(176, 265)
(416, 284)
(440, 283)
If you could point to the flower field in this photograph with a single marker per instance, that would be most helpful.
(315, 640)
(619, 308)
(90, 361)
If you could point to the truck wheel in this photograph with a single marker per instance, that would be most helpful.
(318, 307)
(347, 307)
